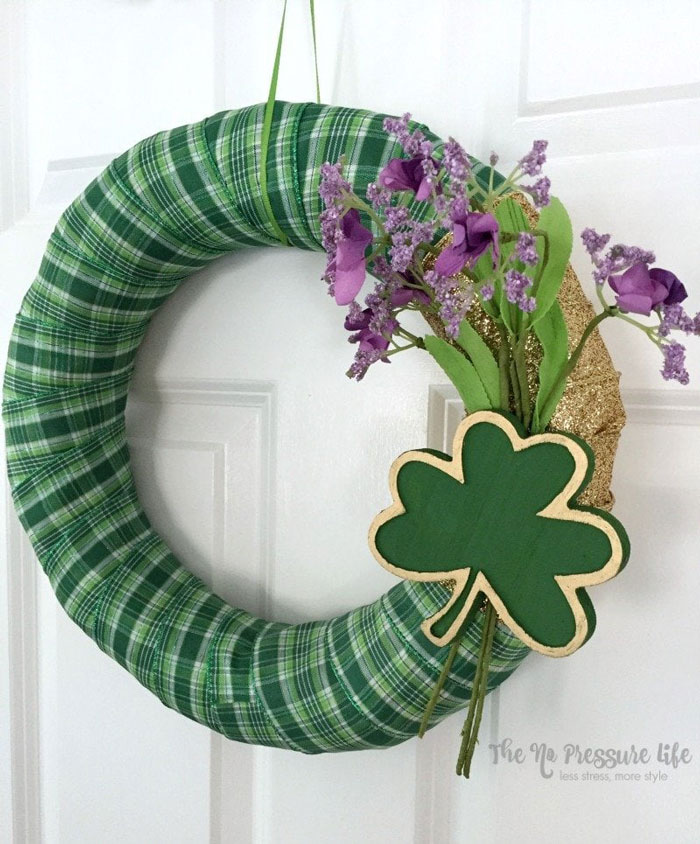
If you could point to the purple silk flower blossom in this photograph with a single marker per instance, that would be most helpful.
(675, 287)
(349, 262)
(472, 234)
(401, 174)
(369, 340)
(639, 290)
(405, 295)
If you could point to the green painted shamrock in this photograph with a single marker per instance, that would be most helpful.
(499, 518)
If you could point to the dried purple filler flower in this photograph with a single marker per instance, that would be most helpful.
(413, 143)
(516, 288)
(454, 300)
(674, 363)
(674, 318)
(593, 241)
(531, 164)
(525, 249)
(456, 161)
(539, 191)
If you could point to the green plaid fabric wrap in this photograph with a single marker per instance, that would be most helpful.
(166, 207)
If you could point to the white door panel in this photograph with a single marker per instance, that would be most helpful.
(263, 466)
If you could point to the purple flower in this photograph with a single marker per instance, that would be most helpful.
(349, 262)
(363, 360)
(413, 143)
(378, 196)
(472, 234)
(333, 186)
(676, 291)
(401, 174)
(405, 295)
(396, 217)
(357, 319)
(517, 285)
(637, 292)
(453, 300)
(539, 191)
(487, 292)
(456, 161)
(593, 241)
(674, 363)
(371, 341)
(531, 164)
(674, 318)
(525, 249)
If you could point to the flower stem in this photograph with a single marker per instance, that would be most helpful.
(416, 341)
(543, 262)
(515, 383)
(503, 367)
(470, 731)
(523, 386)
(354, 201)
(446, 668)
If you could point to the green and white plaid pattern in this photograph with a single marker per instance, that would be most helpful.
(166, 207)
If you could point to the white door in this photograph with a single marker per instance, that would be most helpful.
(262, 465)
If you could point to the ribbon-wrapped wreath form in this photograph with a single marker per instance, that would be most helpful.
(160, 211)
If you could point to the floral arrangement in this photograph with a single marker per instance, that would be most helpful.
(506, 267)
(447, 237)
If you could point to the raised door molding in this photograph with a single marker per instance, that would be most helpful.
(14, 164)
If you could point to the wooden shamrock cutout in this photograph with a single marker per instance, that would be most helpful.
(499, 518)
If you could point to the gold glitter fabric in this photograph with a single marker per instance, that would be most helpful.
(591, 406)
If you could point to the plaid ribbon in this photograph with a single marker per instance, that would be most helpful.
(161, 210)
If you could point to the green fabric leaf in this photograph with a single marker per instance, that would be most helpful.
(483, 360)
(503, 524)
(553, 336)
(460, 372)
(555, 221)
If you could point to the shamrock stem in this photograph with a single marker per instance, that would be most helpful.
(432, 703)
(470, 731)
(446, 621)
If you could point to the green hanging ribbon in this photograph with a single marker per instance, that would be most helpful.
(313, 36)
(265, 138)
(267, 118)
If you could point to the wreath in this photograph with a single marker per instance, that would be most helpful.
(512, 525)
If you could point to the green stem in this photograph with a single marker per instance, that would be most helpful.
(523, 386)
(446, 668)
(429, 247)
(470, 731)
(353, 201)
(378, 251)
(515, 383)
(649, 330)
(543, 262)
(503, 368)
(416, 341)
